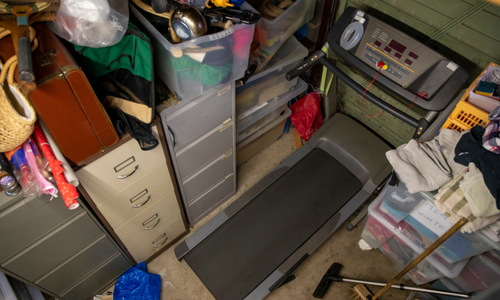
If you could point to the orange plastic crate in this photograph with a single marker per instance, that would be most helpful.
(465, 115)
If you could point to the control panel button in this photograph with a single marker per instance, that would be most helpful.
(397, 55)
(388, 49)
(409, 62)
(413, 55)
(378, 44)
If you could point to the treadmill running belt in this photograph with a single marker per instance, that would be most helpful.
(249, 246)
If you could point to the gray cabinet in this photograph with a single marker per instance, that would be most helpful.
(65, 253)
(201, 140)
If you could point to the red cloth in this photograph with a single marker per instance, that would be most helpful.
(68, 191)
(306, 115)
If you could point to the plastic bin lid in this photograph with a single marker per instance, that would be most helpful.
(262, 130)
(486, 239)
(291, 51)
(450, 270)
(254, 114)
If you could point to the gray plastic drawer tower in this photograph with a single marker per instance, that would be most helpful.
(200, 135)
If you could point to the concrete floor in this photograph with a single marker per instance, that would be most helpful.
(180, 283)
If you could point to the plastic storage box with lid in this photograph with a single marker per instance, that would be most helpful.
(271, 81)
(420, 228)
(478, 274)
(252, 119)
(272, 33)
(187, 70)
(261, 138)
(401, 254)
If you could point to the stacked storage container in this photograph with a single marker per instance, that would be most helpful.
(261, 104)
(403, 225)
(199, 123)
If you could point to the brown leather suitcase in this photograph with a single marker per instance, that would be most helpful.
(64, 99)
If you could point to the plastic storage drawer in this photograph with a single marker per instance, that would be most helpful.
(271, 81)
(272, 33)
(188, 76)
(398, 203)
(417, 235)
(246, 120)
(478, 274)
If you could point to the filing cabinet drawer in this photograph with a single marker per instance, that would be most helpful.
(138, 197)
(164, 225)
(55, 249)
(101, 277)
(199, 117)
(28, 219)
(209, 175)
(199, 153)
(79, 267)
(204, 204)
(119, 168)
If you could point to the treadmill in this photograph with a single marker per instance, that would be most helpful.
(250, 248)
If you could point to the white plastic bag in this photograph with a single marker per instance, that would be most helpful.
(91, 23)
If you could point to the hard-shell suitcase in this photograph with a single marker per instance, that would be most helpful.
(64, 99)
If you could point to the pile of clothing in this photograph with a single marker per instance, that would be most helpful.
(464, 169)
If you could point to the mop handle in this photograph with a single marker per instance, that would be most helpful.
(401, 287)
(422, 256)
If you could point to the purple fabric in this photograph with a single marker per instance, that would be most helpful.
(491, 137)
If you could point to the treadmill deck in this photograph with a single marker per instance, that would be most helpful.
(253, 243)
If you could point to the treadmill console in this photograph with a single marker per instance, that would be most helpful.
(412, 67)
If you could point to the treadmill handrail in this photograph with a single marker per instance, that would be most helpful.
(320, 57)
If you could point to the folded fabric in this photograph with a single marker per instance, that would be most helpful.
(470, 149)
(451, 201)
(448, 139)
(482, 203)
(491, 137)
(495, 228)
(421, 166)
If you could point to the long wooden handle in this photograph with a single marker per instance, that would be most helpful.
(422, 256)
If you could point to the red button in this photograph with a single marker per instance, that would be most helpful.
(388, 49)
(413, 55)
(408, 61)
(397, 55)
(377, 43)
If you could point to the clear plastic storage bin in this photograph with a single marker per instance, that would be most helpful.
(242, 134)
(402, 255)
(247, 119)
(271, 81)
(398, 203)
(420, 236)
(187, 70)
(272, 33)
(478, 274)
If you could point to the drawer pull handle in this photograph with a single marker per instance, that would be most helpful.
(139, 205)
(128, 175)
(159, 245)
(149, 228)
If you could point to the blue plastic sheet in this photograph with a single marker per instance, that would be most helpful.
(138, 284)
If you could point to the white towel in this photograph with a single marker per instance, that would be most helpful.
(421, 166)
(448, 140)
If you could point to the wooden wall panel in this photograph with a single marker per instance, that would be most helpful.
(469, 27)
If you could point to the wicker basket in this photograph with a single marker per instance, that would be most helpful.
(17, 116)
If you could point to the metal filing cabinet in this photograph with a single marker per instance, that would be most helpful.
(64, 253)
(201, 139)
(134, 194)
